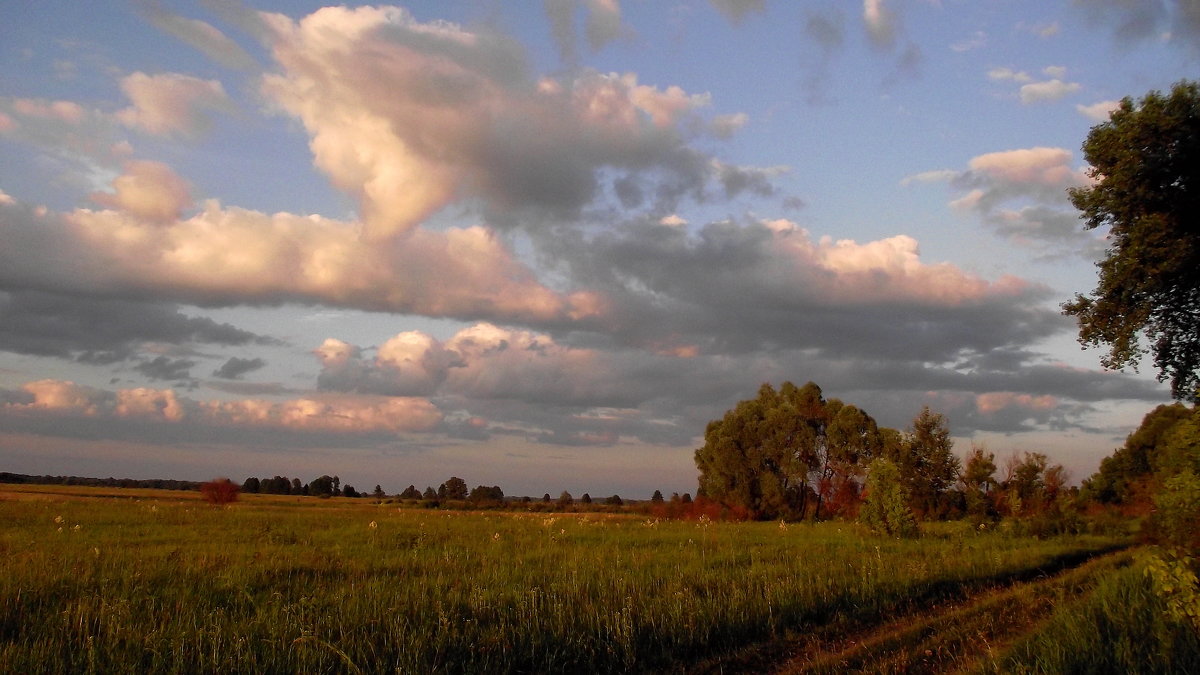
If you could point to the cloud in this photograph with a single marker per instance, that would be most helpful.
(1008, 74)
(1099, 111)
(171, 103)
(198, 34)
(229, 256)
(164, 368)
(409, 117)
(975, 40)
(40, 405)
(1050, 90)
(1022, 194)
(149, 190)
(102, 330)
(235, 368)
(880, 23)
(602, 24)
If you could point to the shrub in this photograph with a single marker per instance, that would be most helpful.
(219, 491)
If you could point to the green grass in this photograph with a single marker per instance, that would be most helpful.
(171, 585)
(1123, 627)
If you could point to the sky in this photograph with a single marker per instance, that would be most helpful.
(541, 244)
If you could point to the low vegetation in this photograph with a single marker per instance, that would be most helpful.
(308, 585)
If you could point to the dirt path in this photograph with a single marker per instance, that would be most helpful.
(964, 634)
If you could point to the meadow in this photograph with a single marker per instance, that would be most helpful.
(159, 581)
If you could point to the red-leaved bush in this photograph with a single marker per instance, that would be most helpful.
(219, 491)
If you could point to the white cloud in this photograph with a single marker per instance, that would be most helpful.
(1099, 111)
(1052, 90)
(1008, 74)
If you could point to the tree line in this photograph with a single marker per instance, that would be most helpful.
(792, 454)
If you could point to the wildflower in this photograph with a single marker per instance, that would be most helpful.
(496, 537)
(372, 525)
(59, 520)
(77, 527)
(96, 551)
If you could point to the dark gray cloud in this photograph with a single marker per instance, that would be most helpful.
(102, 329)
(235, 367)
(165, 368)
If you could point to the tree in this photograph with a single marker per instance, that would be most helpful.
(349, 491)
(886, 509)
(586, 498)
(1121, 473)
(657, 497)
(453, 488)
(978, 480)
(616, 500)
(411, 492)
(781, 451)
(378, 493)
(482, 493)
(565, 499)
(429, 494)
(927, 462)
(1146, 162)
(322, 486)
(251, 485)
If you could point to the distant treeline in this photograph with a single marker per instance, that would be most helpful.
(155, 483)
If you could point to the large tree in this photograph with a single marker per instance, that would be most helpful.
(1146, 164)
(782, 453)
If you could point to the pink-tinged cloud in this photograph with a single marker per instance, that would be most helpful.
(408, 117)
(1099, 111)
(330, 414)
(996, 401)
(880, 22)
(170, 103)
(846, 272)
(482, 362)
(230, 256)
(1033, 166)
(149, 190)
(63, 111)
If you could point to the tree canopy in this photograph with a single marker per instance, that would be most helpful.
(1146, 164)
(785, 453)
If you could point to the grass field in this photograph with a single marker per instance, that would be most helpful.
(162, 582)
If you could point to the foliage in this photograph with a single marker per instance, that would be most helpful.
(1123, 627)
(1166, 443)
(1146, 162)
(482, 493)
(927, 463)
(782, 452)
(219, 491)
(886, 509)
(1176, 519)
(453, 488)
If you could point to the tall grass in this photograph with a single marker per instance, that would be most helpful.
(1123, 627)
(176, 586)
